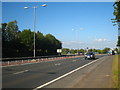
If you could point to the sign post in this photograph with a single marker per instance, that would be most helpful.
(59, 51)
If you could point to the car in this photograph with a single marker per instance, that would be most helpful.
(89, 55)
(111, 52)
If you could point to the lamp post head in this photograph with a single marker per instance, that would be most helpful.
(26, 7)
(44, 5)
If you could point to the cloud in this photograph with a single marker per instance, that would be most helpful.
(72, 44)
(99, 43)
(102, 40)
(78, 29)
(81, 28)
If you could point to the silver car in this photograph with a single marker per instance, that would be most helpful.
(89, 55)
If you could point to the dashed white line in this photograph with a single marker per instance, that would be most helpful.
(74, 61)
(21, 72)
(57, 64)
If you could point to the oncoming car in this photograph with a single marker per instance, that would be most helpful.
(89, 55)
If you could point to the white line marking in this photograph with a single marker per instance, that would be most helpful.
(21, 72)
(26, 63)
(74, 61)
(20, 64)
(57, 64)
(41, 86)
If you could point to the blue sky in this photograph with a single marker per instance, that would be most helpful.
(75, 24)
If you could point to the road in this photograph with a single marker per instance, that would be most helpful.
(34, 75)
(95, 75)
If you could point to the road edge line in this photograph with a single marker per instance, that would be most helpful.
(41, 86)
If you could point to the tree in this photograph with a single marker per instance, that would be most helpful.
(118, 43)
(12, 30)
(116, 20)
(82, 51)
(40, 44)
(90, 50)
(17, 43)
(116, 12)
(9, 38)
(105, 50)
(72, 51)
(27, 38)
(52, 44)
(99, 51)
(4, 33)
(65, 51)
(116, 49)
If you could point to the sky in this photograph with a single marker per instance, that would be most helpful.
(76, 24)
(58, 0)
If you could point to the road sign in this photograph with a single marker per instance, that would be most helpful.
(59, 50)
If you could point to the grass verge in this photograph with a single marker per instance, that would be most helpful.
(116, 72)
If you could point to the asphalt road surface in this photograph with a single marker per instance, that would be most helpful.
(34, 75)
(96, 75)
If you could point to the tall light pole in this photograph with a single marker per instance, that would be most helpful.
(44, 5)
(34, 26)
(118, 37)
(77, 38)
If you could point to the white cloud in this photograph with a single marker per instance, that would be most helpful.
(98, 44)
(81, 28)
(102, 40)
(77, 29)
(72, 44)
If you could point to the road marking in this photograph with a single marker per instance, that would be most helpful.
(107, 75)
(57, 64)
(41, 86)
(21, 72)
(20, 64)
(28, 63)
(74, 61)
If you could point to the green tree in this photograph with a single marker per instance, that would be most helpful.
(40, 44)
(116, 49)
(118, 43)
(116, 20)
(82, 51)
(10, 38)
(90, 50)
(99, 51)
(12, 30)
(17, 43)
(116, 12)
(4, 33)
(27, 38)
(72, 51)
(65, 51)
(105, 50)
(52, 44)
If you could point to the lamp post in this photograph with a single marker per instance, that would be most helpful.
(118, 36)
(44, 5)
(77, 38)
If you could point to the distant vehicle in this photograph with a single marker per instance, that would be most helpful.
(111, 52)
(89, 55)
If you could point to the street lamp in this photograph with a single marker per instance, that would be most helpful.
(77, 38)
(44, 5)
